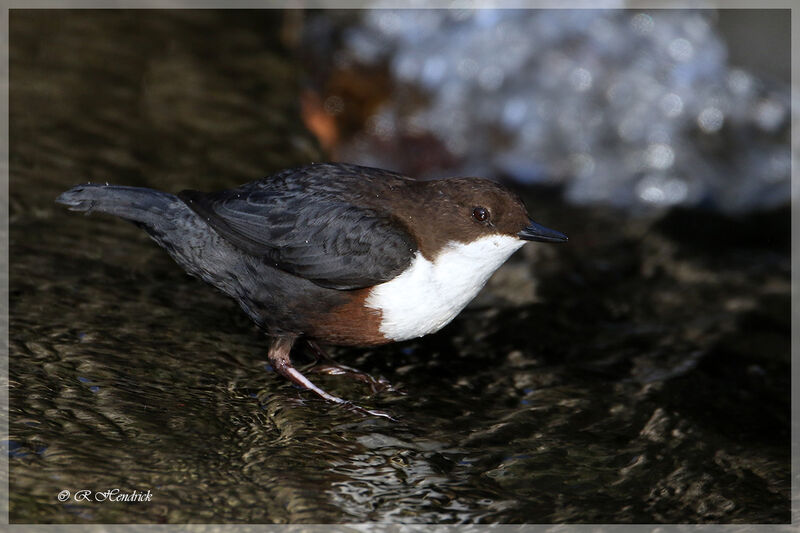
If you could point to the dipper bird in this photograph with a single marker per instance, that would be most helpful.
(336, 253)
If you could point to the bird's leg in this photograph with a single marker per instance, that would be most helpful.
(336, 369)
(278, 356)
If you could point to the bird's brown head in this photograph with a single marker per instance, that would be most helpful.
(467, 209)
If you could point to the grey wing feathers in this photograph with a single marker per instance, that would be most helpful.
(321, 238)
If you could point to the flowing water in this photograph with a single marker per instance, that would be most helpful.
(639, 373)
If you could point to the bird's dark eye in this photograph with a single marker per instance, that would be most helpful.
(481, 214)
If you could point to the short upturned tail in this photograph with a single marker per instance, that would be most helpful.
(137, 204)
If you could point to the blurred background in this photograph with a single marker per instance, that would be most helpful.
(637, 374)
(639, 110)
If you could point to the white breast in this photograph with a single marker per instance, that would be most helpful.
(429, 294)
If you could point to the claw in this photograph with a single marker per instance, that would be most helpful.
(375, 384)
(278, 356)
(333, 368)
(371, 412)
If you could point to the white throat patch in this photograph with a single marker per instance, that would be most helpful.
(428, 295)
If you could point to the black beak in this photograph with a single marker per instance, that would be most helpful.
(537, 232)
